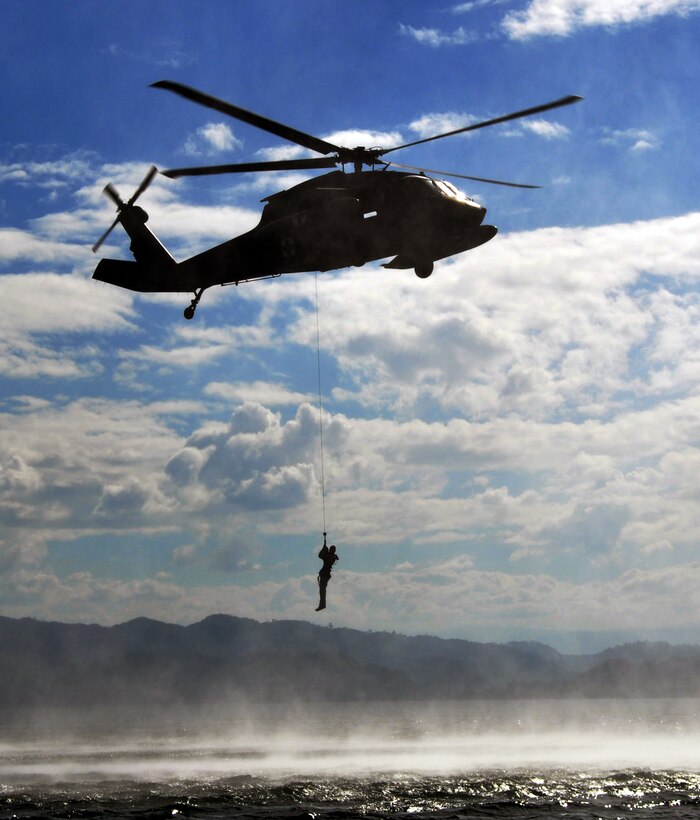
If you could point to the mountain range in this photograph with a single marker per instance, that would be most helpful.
(222, 659)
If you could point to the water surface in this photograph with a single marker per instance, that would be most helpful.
(575, 759)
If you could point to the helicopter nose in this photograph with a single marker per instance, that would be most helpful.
(472, 212)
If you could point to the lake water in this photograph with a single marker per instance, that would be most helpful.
(574, 759)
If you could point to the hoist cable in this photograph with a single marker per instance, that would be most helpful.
(320, 410)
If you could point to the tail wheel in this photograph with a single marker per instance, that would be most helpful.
(424, 269)
(188, 312)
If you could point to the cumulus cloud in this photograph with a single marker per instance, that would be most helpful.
(563, 17)
(536, 399)
(253, 462)
(122, 499)
(547, 324)
(85, 466)
(212, 138)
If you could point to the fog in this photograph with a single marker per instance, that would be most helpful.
(293, 756)
(358, 740)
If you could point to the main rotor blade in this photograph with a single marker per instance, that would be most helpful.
(152, 171)
(464, 176)
(247, 167)
(271, 126)
(526, 112)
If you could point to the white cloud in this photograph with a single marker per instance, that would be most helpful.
(18, 245)
(462, 8)
(436, 38)
(348, 138)
(562, 17)
(254, 462)
(351, 138)
(67, 303)
(430, 124)
(281, 152)
(267, 393)
(546, 324)
(50, 173)
(188, 346)
(559, 368)
(634, 139)
(84, 467)
(441, 123)
(39, 304)
(456, 599)
(212, 138)
(547, 130)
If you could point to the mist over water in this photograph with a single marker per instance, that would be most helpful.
(443, 760)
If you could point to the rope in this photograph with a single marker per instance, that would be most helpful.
(320, 411)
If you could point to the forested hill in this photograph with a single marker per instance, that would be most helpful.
(222, 658)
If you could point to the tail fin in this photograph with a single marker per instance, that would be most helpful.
(147, 249)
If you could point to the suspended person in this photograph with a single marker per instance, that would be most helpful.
(329, 556)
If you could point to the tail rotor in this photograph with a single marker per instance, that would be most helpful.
(123, 207)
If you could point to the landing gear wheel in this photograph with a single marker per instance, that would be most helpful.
(424, 269)
(188, 313)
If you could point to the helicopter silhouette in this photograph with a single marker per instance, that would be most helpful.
(336, 220)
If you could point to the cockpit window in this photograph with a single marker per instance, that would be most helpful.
(449, 189)
(440, 187)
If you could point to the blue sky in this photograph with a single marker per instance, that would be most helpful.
(511, 446)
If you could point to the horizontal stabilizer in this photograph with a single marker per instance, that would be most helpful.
(129, 275)
(118, 272)
(133, 276)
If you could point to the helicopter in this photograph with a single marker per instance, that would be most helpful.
(337, 220)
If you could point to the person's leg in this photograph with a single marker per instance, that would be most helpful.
(322, 584)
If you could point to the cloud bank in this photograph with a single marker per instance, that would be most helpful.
(561, 18)
(513, 442)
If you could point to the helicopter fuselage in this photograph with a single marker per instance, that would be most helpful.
(341, 220)
(333, 221)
